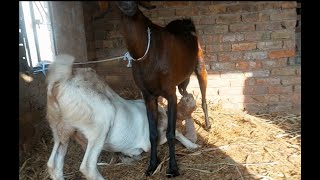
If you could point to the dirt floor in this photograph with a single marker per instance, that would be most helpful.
(238, 146)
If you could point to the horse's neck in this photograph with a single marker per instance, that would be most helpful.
(135, 34)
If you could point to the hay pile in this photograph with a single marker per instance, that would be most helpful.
(238, 146)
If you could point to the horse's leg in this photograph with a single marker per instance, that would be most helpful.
(172, 115)
(201, 73)
(152, 114)
(182, 87)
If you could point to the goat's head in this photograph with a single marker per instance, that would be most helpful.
(129, 8)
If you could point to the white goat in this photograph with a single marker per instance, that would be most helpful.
(80, 101)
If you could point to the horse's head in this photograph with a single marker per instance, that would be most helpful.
(129, 8)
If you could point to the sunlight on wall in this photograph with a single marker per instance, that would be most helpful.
(225, 89)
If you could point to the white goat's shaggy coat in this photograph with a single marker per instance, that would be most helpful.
(80, 101)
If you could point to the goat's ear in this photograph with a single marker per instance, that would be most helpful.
(146, 4)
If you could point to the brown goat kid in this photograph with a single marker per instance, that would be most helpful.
(165, 60)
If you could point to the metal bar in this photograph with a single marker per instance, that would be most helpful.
(25, 38)
(35, 34)
(53, 38)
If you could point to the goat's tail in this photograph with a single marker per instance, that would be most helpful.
(59, 70)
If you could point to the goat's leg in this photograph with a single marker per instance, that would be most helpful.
(201, 73)
(172, 116)
(182, 87)
(96, 139)
(152, 114)
(56, 160)
(191, 133)
(185, 141)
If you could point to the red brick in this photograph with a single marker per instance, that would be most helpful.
(255, 55)
(289, 44)
(200, 3)
(296, 98)
(285, 97)
(267, 45)
(261, 98)
(268, 81)
(176, 3)
(217, 9)
(230, 56)
(99, 44)
(166, 13)
(280, 89)
(218, 48)
(207, 20)
(244, 46)
(215, 29)
(268, 5)
(280, 106)
(290, 80)
(232, 37)
(159, 22)
(113, 34)
(223, 66)
(250, 17)
(268, 26)
(263, 16)
(186, 12)
(283, 34)
(243, 27)
(241, 8)
(257, 73)
(248, 65)
(108, 44)
(217, 38)
(228, 19)
(255, 107)
(283, 15)
(285, 71)
(250, 82)
(275, 63)
(289, 24)
(257, 36)
(297, 88)
(298, 71)
(210, 57)
(255, 90)
(288, 5)
(281, 54)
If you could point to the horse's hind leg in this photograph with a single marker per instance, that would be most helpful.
(182, 87)
(201, 73)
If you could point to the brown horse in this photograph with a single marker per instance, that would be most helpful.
(162, 62)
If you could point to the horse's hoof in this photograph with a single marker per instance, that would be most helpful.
(150, 170)
(207, 128)
(172, 173)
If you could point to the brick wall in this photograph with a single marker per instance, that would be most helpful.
(250, 50)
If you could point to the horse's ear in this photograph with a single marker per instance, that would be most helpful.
(146, 4)
(103, 5)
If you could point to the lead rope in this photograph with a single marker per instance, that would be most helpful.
(126, 56)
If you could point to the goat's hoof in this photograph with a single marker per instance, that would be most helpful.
(172, 172)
